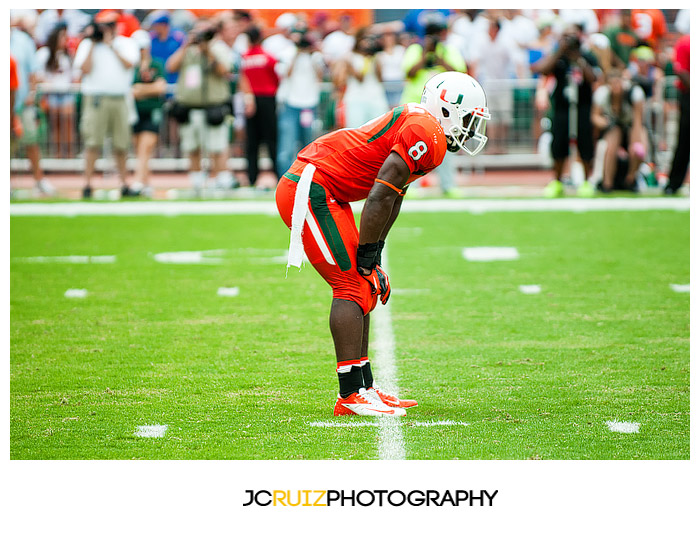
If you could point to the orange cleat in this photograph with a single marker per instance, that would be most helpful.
(364, 403)
(391, 400)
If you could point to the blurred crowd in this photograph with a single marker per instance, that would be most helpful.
(203, 78)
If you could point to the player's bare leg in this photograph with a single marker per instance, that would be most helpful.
(348, 327)
(389, 399)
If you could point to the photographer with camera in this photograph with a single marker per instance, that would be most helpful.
(301, 70)
(575, 73)
(360, 74)
(421, 62)
(106, 62)
(202, 103)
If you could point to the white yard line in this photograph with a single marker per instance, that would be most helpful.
(490, 254)
(76, 293)
(530, 289)
(623, 427)
(680, 288)
(474, 206)
(151, 430)
(391, 443)
(377, 422)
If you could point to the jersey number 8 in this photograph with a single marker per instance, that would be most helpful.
(418, 150)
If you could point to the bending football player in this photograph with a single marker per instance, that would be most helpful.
(376, 162)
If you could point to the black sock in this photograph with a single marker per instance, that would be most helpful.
(350, 379)
(367, 373)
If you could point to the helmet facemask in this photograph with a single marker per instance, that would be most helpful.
(470, 136)
(459, 103)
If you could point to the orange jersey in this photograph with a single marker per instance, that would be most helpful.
(349, 159)
(649, 25)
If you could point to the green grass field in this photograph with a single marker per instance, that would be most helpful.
(534, 376)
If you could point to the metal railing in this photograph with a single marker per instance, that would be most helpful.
(513, 133)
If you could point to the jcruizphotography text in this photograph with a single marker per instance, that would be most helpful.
(377, 497)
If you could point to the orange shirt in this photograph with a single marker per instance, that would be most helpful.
(349, 159)
(649, 25)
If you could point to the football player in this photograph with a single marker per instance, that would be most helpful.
(376, 162)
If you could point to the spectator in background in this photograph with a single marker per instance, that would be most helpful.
(338, 43)
(106, 61)
(599, 45)
(650, 27)
(573, 70)
(149, 90)
(623, 39)
(74, 19)
(165, 42)
(202, 103)
(23, 49)
(495, 59)
(55, 70)
(360, 73)
(390, 59)
(417, 21)
(586, 19)
(301, 73)
(279, 43)
(642, 69)
(244, 22)
(618, 113)
(421, 62)
(259, 84)
(681, 158)
(682, 21)
(126, 23)
(15, 131)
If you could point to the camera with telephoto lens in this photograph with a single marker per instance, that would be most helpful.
(204, 36)
(97, 34)
(374, 45)
(572, 42)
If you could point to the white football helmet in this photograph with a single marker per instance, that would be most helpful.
(459, 103)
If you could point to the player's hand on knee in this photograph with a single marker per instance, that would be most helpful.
(379, 281)
(384, 285)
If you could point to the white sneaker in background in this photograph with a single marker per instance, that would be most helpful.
(198, 180)
(45, 187)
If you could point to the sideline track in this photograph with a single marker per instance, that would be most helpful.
(474, 206)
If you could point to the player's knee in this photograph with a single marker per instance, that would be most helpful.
(360, 293)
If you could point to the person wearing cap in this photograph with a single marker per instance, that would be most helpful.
(106, 61)
(23, 49)
(149, 94)
(165, 40)
(202, 103)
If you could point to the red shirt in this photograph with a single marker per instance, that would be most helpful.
(349, 159)
(14, 78)
(682, 62)
(259, 68)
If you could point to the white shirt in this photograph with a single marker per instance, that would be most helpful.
(337, 45)
(391, 64)
(496, 60)
(370, 89)
(277, 45)
(59, 80)
(303, 86)
(108, 75)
